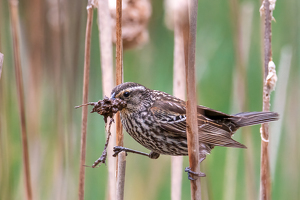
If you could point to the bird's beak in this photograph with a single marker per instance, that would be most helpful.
(112, 97)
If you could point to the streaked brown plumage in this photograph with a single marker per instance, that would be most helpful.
(157, 121)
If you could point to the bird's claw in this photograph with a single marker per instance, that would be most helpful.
(118, 149)
(189, 171)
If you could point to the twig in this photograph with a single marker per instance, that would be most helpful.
(88, 33)
(191, 116)
(13, 6)
(1, 63)
(121, 160)
(265, 184)
(103, 156)
(107, 108)
(105, 35)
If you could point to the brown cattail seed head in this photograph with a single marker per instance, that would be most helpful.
(176, 12)
(135, 17)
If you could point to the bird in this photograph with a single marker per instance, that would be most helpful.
(157, 121)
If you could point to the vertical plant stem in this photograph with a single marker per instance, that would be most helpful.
(192, 123)
(119, 65)
(106, 50)
(178, 91)
(1, 63)
(87, 54)
(13, 6)
(35, 51)
(265, 182)
(119, 79)
(121, 175)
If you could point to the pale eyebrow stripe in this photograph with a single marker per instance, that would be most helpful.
(137, 87)
(131, 89)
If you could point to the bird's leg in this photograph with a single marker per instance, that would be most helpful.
(189, 171)
(118, 149)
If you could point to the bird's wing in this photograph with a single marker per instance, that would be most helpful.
(171, 115)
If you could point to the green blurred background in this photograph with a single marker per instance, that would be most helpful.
(52, 50)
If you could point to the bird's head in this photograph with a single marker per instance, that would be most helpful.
(133, 93)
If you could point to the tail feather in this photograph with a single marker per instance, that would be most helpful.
(252, 118)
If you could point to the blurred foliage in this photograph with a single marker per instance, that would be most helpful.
(52, 45)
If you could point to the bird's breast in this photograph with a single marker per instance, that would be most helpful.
(145, 130)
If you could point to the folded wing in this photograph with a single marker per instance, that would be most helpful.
(214, 126)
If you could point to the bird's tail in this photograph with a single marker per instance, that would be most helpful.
(252, 118)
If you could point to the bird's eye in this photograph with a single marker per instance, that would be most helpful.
(126, 94)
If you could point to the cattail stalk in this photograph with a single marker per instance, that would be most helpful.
(178, 91)
(106, 54)
(88, 33)
(119, 79)
(191, 115)
(119, 65)
(14, 15)
(265, 180)
(1, 63)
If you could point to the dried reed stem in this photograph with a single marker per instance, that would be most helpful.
(13, 6)
(106, 50)
(178, 91)
(119, 79)
(121, 175)
(265, 184)
(88, 33)
(191, 115)
(1, 63)
(119, 65)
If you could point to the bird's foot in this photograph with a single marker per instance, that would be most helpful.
(189, 171)
(153, 155)
(119, 149)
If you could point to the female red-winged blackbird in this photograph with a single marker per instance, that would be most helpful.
(157, 121)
